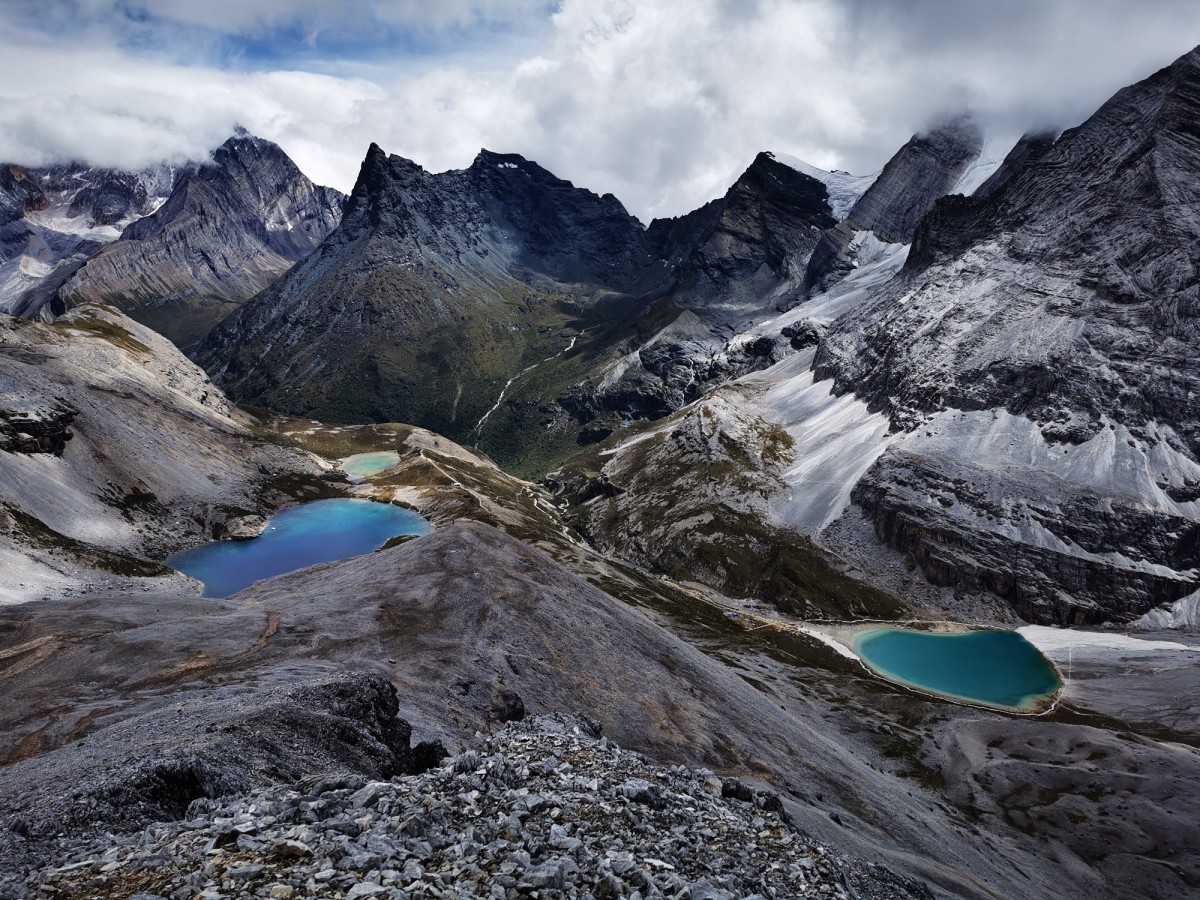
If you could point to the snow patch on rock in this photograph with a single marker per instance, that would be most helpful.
(844, 188)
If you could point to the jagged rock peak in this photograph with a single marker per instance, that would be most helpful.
(923, 170)
(768, 215)
(230, 226)
(1029, 148)
(926, 168)
(488, 164)
(844, 189)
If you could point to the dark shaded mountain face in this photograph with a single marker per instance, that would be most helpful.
(19, 194)
(1041, 350)
(433, 292)
(438, 289)
(924, 169)
(738, 251)
(228, 228)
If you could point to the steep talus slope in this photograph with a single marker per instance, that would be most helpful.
(114, 451)
(509, 815)
(1040, 352)
(229, 228)
(928, 167)
(474, 628)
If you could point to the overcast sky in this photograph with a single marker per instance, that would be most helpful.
(661, 102)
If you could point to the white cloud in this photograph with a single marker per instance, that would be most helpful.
(661, 103)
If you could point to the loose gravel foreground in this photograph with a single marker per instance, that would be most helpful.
(545, 808)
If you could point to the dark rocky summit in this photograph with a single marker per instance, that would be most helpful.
(449, 285)
(226, 230)
(19, 194)
(434, 290)
(738, 254)
(107, 196)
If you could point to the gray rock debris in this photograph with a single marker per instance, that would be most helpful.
(544, 808)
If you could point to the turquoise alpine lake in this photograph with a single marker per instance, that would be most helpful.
(992, 668)
(364, 465)
(317, 532)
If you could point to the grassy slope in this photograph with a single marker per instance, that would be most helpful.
(529, 434)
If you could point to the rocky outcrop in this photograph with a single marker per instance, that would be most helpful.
(514, 814)
(1048, 324)
(244, 528)
(228, 228)
(137, 772)
(45, 429)
(924, 169)
(1030, 148)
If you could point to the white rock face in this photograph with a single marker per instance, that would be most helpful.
(1183, 615)
(52, 219)
(1039, 353)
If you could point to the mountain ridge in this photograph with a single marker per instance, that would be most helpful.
(228, 228)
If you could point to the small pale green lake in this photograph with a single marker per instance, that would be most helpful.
(364, 465)
(305, 535)
(992, 668)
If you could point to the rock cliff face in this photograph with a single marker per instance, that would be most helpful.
(1040, 351)
(228, 228)
(926, 168)
(52, 219)
(741, 254)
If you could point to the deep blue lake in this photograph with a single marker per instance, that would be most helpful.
(317, 532)
(994, 668)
